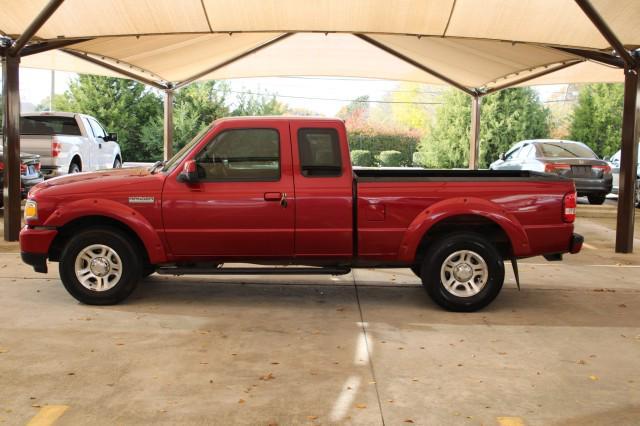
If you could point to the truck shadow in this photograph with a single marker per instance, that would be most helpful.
(395, 305)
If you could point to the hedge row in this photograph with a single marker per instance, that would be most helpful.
(375, 142)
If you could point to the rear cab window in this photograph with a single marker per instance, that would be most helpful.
(49, 125)
(319, 150)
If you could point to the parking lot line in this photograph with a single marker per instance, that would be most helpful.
(48, 415)
(510, 421)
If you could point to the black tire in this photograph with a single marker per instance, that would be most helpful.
(148, 270)
(597, 199)
(130, 264)
(443, 248)
(117, 164)
(416, 270)
(74, 168)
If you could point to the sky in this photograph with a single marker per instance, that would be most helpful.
(323, 95)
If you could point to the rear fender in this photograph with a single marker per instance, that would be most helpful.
(442, 210)
(117, 211)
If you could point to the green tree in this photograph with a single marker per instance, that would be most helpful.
(258, 104)
(356, 113)
(122, 106)
(506, 117)
(194, 108)
(597, 119)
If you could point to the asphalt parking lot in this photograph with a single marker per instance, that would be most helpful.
(365, 348)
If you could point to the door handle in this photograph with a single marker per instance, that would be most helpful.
(277, 196)
(272, 196)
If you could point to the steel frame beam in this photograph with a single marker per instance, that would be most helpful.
(11, 121)
(416, 64)
(630, 121)
(593, 55)
(474, 147)
(528, 78)
(607, 32)
(628, 162)
(11, 147)
(115, 69)
(47, 45)
(231, 60)
(35, 25)
(168, 124)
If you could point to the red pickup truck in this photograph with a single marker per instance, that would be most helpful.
(277, 191)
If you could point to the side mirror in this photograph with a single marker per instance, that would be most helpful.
(189, 172)
(502, 156)
(111, 137)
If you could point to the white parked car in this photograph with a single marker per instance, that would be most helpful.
(68, 143)
(615, 162)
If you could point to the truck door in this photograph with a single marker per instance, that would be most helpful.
(324, 190)
(101, 149)
(243, 203)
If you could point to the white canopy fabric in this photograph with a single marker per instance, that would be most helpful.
(479, 44)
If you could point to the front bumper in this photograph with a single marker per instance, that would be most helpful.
(34, 246)
(576, 243)
(37, 260)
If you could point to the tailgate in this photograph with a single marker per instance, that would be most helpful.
(39, 145)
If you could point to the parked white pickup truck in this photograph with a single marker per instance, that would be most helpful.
(68, 143)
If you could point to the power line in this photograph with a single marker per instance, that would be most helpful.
(332, 99)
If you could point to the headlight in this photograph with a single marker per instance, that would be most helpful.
(30, 210)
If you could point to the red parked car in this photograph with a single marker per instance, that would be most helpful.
(281, 191)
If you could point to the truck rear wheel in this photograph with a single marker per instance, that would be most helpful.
(463, 272)
(99, 266)
(597, 199)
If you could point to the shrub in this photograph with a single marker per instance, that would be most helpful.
(390, 159)
(362, 158)
(376, 141)
(418, 159)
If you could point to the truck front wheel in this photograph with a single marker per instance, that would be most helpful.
(99, 266)
(463, 272)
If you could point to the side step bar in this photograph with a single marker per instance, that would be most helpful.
(176, 270)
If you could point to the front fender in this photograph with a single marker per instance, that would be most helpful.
(114, 210)
(462, 206)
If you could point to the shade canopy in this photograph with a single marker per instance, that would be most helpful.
(477, 44)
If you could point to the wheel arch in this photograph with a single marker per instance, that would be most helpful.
(469, 214)
(87, 213)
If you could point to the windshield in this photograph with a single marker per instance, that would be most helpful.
(565, 150)
(177, 158)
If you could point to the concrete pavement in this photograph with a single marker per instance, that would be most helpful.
(365, 348)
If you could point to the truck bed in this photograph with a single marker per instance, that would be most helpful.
(426, 175)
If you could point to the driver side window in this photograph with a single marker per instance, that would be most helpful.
(240, 155)
(511, 155)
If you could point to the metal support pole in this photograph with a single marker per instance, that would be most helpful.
(11, 147)
(628, 162)
(168, 124)
(474, 145)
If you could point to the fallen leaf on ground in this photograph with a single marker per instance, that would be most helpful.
(275, 363)
(408, 421)
(241, 401)
(3, 351)
(594, 378)
(581, 362)
(312, 417)
(622, 305)
(361, 405)
(268, 376)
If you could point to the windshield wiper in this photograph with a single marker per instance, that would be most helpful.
(157, 165)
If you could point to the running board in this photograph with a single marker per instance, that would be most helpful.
(169, 270)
